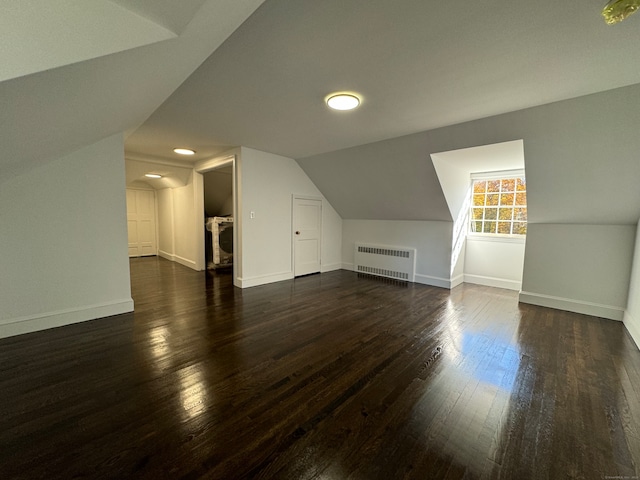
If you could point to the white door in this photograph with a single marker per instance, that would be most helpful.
(307, 226)
(141, 222)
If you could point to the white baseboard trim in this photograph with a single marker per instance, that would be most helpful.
(331, 267)
(571, 305)
(33, 323)
(457, 280)
(633, 327)
(263, 279)
(167, 255)
(433, 281)
(493, 282)
(185, 261)
(178, 259)
(348, 266)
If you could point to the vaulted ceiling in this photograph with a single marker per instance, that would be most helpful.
(418, 64)
(72, 73)
(215, 74)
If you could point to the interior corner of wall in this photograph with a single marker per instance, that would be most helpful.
(632, 325)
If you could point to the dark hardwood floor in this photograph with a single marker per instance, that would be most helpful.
(331, 376)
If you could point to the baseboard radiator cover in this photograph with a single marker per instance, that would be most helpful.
(385, 261)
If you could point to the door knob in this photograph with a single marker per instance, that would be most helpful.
(297, 233)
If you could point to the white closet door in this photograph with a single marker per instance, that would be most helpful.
(141, 222)
(307, 227)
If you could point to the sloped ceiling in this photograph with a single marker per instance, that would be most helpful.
(426, 71)
(388, 180)
(169, 13)
(39, 35)
(418, 65)
(580, 156)
(454, 168)
(76, 72)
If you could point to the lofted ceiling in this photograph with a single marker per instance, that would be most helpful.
(74, 72)
(216, 74)
(418, 65)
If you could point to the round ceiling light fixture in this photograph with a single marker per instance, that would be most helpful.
(184, 151)
(343, 101)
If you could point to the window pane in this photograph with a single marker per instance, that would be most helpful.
(478, 200)
(506, 199)
(479, 186)
(519, 228)
(520, 214)
(492, 199)
(508, 184)
(489, 227)
(490, 213)
(504, 227)
(499, 206)
(506, 213)
(493, 186)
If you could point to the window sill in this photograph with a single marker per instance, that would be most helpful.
(494, 237)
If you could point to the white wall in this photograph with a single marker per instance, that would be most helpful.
(457, 272)
(184, 220)
(494, 261)
(579, 268)
(632, 313)
(166, 242)
(177, 210)
(432, 241)
(267, 184)
(63, 238)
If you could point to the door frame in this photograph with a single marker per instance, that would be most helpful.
(201, 168)
(295, 197)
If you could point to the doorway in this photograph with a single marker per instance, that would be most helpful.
(218, 212)
(216, 193)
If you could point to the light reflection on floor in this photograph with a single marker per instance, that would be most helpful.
(485, 370)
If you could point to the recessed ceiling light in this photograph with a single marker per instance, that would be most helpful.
(184, 151)
(343, 101)
(152, 175)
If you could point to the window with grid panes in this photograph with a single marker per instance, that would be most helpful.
(499, 206)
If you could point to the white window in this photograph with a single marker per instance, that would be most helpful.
(499, 204)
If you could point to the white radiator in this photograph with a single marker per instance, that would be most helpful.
(385, 261)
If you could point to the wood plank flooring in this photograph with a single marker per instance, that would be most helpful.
(332, 376)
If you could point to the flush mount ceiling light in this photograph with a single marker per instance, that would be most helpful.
(184, 151)
(152, 175)
(343, 101)
(617, 10)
